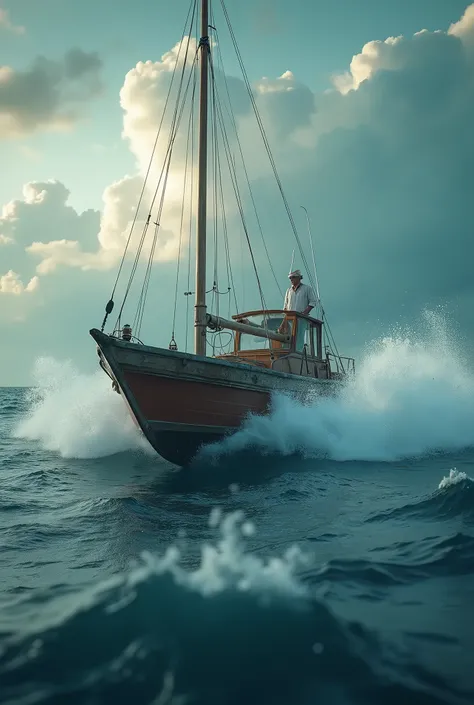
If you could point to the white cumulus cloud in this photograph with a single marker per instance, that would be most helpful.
(10, 283)
(464, 29)
(384, 159)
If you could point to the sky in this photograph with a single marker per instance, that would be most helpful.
(368, 107)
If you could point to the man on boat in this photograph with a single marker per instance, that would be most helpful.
(299, 297)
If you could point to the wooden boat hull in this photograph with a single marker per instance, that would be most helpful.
(182, 401)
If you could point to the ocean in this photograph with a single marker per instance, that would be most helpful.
(322, 556)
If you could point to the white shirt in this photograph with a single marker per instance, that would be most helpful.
(299, 299)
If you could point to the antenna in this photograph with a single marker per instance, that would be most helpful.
(312, 254)
(292, 261)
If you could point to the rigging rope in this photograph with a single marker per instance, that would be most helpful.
(188, 292)
(185, 180)
(219, 108)
(230, 275)
(173, 134)
(237, 191)
(265, 138)
(110, 304)
(214, 147)
(272, 161)
(146, 281)
(231, 114)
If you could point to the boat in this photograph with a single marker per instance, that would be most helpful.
(182, 400)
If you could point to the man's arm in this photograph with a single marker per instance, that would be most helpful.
(311, 301)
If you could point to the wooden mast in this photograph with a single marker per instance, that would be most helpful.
(200, 321)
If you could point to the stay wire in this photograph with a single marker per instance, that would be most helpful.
(237, 193)
(219, 200)
(192, 6)
(265, 138)
(188, 292)
(185, 181)
(272, 161)
(231, 114)
(173, 134)
(175, 128)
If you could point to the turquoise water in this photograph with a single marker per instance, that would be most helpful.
(323, 555)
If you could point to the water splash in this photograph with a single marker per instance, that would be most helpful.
(228, 564)
(237, 628)
(455, 477)
(77, 415)
(412, 395)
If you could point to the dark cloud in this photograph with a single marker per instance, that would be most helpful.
(384, 164)
(78, 62)
(49, 93)
(387, 172)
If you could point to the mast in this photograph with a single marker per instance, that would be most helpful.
(200, 301)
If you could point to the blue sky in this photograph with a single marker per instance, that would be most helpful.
(314, 40)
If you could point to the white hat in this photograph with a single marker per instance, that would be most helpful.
(295, 273)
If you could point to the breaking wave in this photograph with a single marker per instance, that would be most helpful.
(453, 498)
(236, 629)
(412, 395)
(77, 415)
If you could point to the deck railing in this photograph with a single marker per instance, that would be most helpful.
(344, 365)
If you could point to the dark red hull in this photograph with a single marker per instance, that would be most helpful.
(182, 415)
(182, 401)
(193, 402)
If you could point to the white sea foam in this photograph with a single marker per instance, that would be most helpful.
(77, 415)
(229, 564)
(412, 395)
(454, 478)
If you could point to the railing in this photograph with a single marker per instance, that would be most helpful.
(344, 365)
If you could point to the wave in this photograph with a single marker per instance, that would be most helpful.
(412, 395)
(236, 629)
(453, 498)
(432, 557)
(77, 415)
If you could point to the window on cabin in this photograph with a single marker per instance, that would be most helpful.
(276, 324)
(304, 334)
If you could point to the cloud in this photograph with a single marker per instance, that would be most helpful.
(384, 161)
(67, 253)
(142, 97)
(464, 29)
(53, 233)
(44, 213)
(7, 24)
(49, 95)
(391, 181)
(10, 283)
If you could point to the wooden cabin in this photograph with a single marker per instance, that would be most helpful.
(301, 355)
